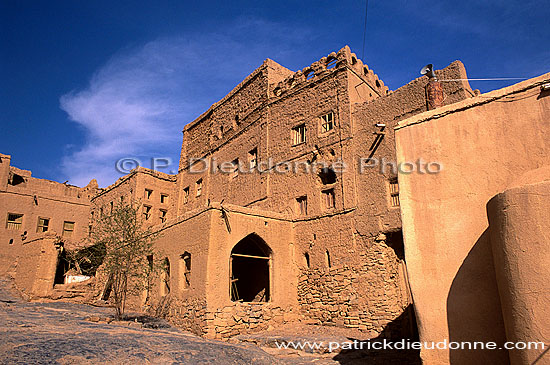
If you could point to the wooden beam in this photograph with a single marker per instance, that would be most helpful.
(250, 256)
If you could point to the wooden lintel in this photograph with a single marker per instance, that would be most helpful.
(250, 256)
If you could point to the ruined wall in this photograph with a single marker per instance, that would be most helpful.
(353, 242)
(38, 198)
(483, 143)
(348, 280)
(35, 265)
(239, 124)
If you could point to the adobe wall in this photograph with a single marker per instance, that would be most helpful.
(375, 213)
(305, 105)
(483, 143)
(519, 222)
(365, 285)
(188, 233)
(39, 198)
(35, 265)
(227, 126)
(228, 317)
(132, 187)
(265, 122)
(5, 162)
(336, 83)
(205, 306)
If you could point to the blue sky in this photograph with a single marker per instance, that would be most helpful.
(85, 83)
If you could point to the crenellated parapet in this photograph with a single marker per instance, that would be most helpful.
(334, 62)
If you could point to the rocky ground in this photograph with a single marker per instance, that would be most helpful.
(69, 333)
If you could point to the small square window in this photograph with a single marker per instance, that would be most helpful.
(301, 203)
(148, 193)
(199, 187)
(146, 212)
(43, 224)
(186, 195)
(68, 228)
(298, 134)
(14, 221)
(163, 198)
(328, 198)
(327, 122)
(394, 192)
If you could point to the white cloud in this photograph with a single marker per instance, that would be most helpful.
(139, 101)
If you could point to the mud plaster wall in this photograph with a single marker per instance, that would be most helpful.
(184, 305)
(483, 143)
(366, 285)
(224, 129)
(205, 306)
(35, 266)
(519, 224)
(277, 233)
(265, 123)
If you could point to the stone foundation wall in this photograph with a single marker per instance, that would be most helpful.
(241, 318)
(188, 314)
(367, 297)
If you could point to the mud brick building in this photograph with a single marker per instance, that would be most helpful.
(275, 221)
(272, 216)
(287, 207)
(154, 190)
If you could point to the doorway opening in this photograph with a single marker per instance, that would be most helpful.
(250, 265)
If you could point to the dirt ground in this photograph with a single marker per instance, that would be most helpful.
(69, 333)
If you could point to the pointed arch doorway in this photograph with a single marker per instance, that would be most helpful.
(250, 270)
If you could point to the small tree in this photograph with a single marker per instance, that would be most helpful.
(128, 252)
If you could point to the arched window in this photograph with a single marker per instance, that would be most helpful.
(165, 277)
(306, 260)
(185, 270)
(250, 264)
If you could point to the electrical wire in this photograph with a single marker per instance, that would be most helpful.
(365, 28)
(490, 79)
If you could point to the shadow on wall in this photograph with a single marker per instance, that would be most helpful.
(402, 327)
(473, 307)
